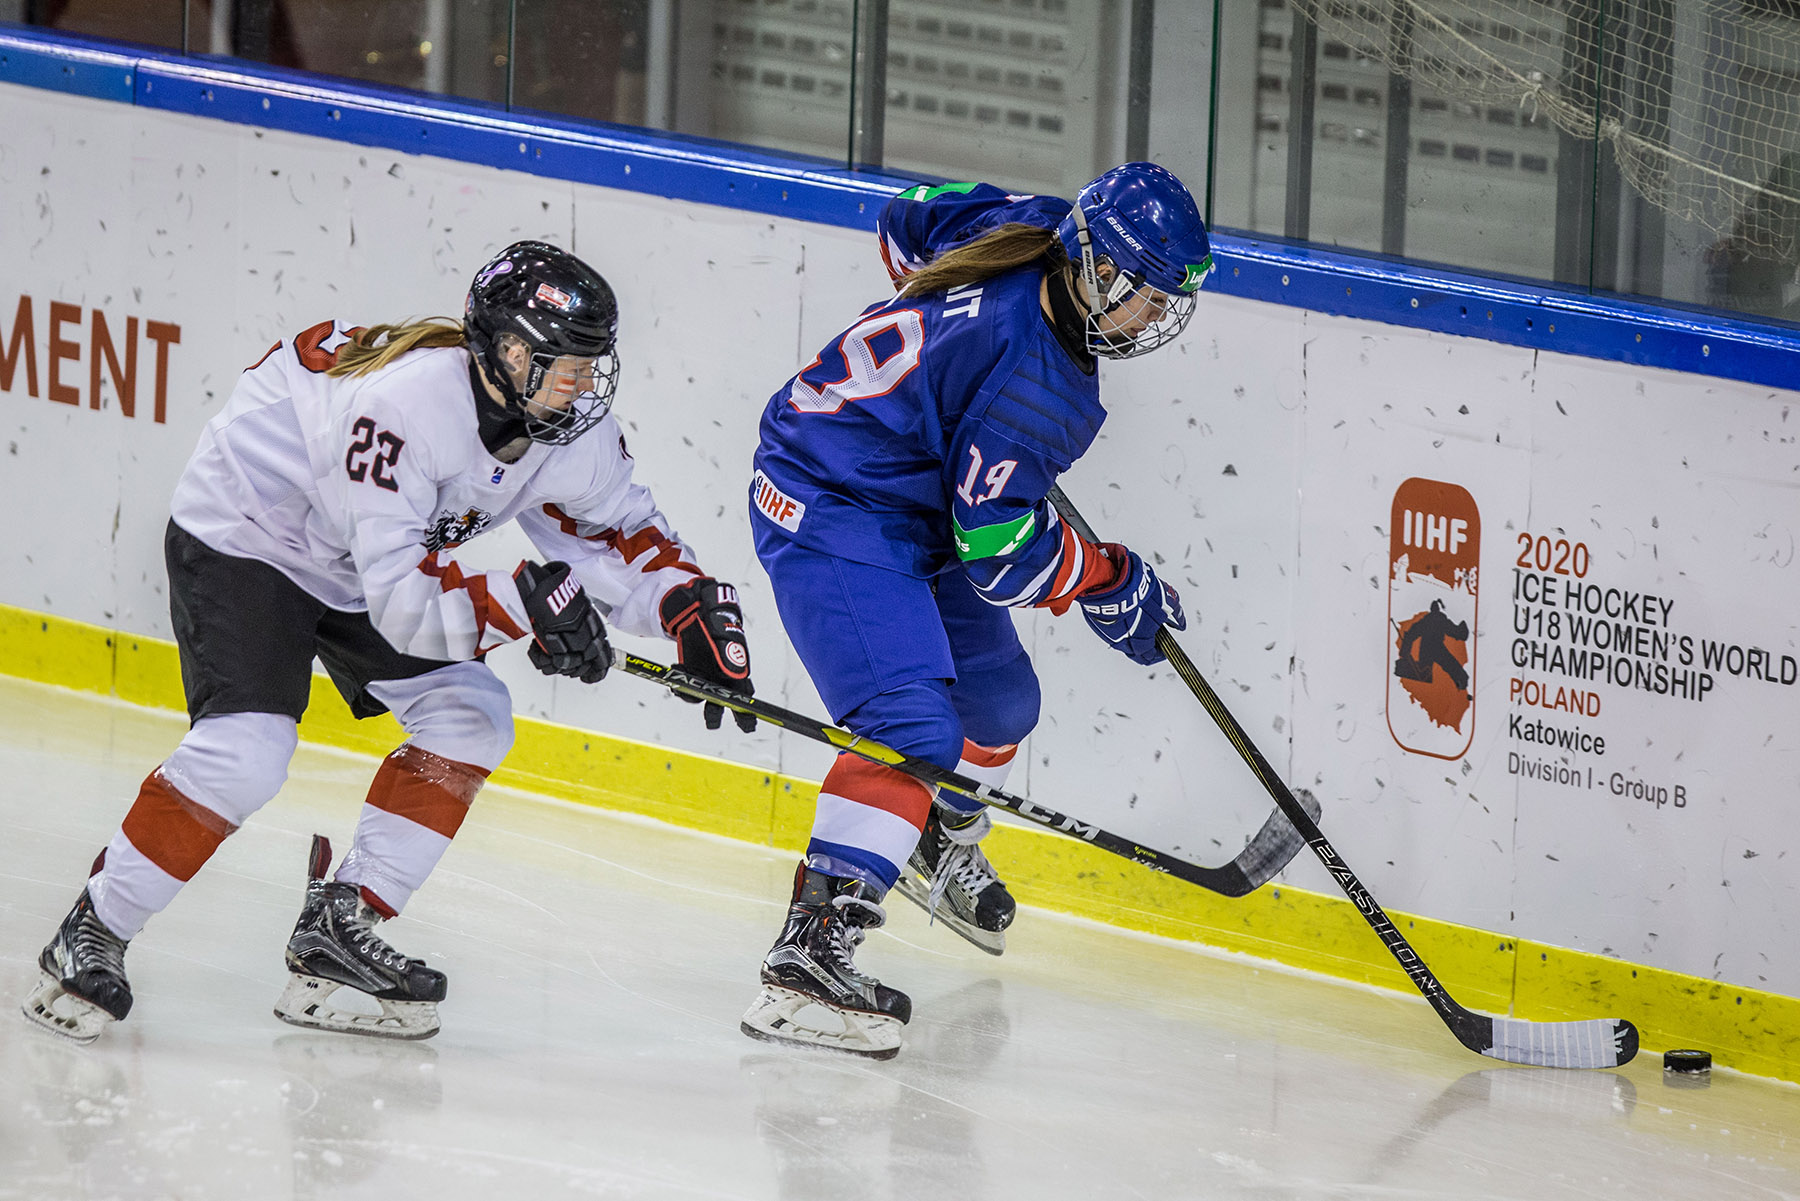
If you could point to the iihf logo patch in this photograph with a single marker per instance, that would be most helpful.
(1434, 559)
(499, 474)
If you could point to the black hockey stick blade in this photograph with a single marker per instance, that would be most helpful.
(1265, 854)
(1594, 1043)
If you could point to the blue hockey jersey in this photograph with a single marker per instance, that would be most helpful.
(932, 429)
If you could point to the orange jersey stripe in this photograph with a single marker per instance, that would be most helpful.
(988, 756)
(1072, 548)
(856, 779)
(488, 611)
(425, 788)
(173, 831)
(668, 554)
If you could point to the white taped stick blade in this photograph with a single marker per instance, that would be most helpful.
(306, 1001)
(781, 1015)
(54, 1009)
(1597, 1043)
(1274, 846)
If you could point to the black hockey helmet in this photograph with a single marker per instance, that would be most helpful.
(557, 305)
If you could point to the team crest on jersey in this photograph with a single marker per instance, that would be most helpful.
(453, 529)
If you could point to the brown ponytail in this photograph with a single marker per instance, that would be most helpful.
(373, 348)
(994, 253)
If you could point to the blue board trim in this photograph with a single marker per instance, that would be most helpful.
(743, 177)
(72, 65)
(1543, 318)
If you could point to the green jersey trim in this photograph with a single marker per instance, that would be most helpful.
(990, 540)
(927, 192)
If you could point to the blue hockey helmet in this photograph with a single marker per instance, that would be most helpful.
(1142, 221)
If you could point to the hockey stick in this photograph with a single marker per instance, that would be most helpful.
(1594, 1043)
(1256, 864)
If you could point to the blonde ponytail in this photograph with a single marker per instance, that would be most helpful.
(994, 253)
(375, 347)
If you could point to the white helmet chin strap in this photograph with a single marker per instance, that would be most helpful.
(1090, 275)
(1100, 300)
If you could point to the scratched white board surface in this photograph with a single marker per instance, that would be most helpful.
(1688, 495)
(1632, 745)
(1257, 461)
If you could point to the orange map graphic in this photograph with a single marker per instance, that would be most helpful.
(1445, 702)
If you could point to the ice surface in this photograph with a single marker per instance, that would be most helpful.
(598, 967)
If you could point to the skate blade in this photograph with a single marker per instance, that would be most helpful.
(772, 1018)
(991, 941)
(306, 1001)
(52, 1007)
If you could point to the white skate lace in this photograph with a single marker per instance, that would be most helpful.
(849, 934)
(967, 866)
(364, 940)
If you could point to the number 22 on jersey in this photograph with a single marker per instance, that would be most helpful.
(380, 468)
(870, 360)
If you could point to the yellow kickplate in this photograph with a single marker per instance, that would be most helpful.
(1753, 1031)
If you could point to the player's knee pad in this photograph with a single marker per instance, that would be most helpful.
(917, 718)
(233, 763)
(999, 705)
(461, 712)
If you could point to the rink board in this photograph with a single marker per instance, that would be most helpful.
(1310, 478)
(1752, 1031)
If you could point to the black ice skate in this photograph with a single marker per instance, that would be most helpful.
(335, 946)
(84, 985)
(809, 970)
(949, 878)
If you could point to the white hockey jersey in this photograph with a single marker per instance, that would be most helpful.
(357, 488)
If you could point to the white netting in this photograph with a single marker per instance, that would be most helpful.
(1699, 99)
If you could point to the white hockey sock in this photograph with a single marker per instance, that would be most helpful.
(989, 765)
(416, 804)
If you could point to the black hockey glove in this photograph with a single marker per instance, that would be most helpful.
(708, 628)
(569, 637)
(1129, 613)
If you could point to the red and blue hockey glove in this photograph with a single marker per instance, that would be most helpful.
(569, 639)
(1129, 613)
(708, 628)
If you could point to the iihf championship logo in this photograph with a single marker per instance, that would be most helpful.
(1434, 557)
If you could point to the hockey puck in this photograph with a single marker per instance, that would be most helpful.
(1687, 1063)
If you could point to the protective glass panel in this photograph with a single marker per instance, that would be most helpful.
(1006, 93)
(777, 74)
(582, 58)
(147, 22)
(456, 48)
(1365, 133)
(1642, 147)
(1648, 148)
